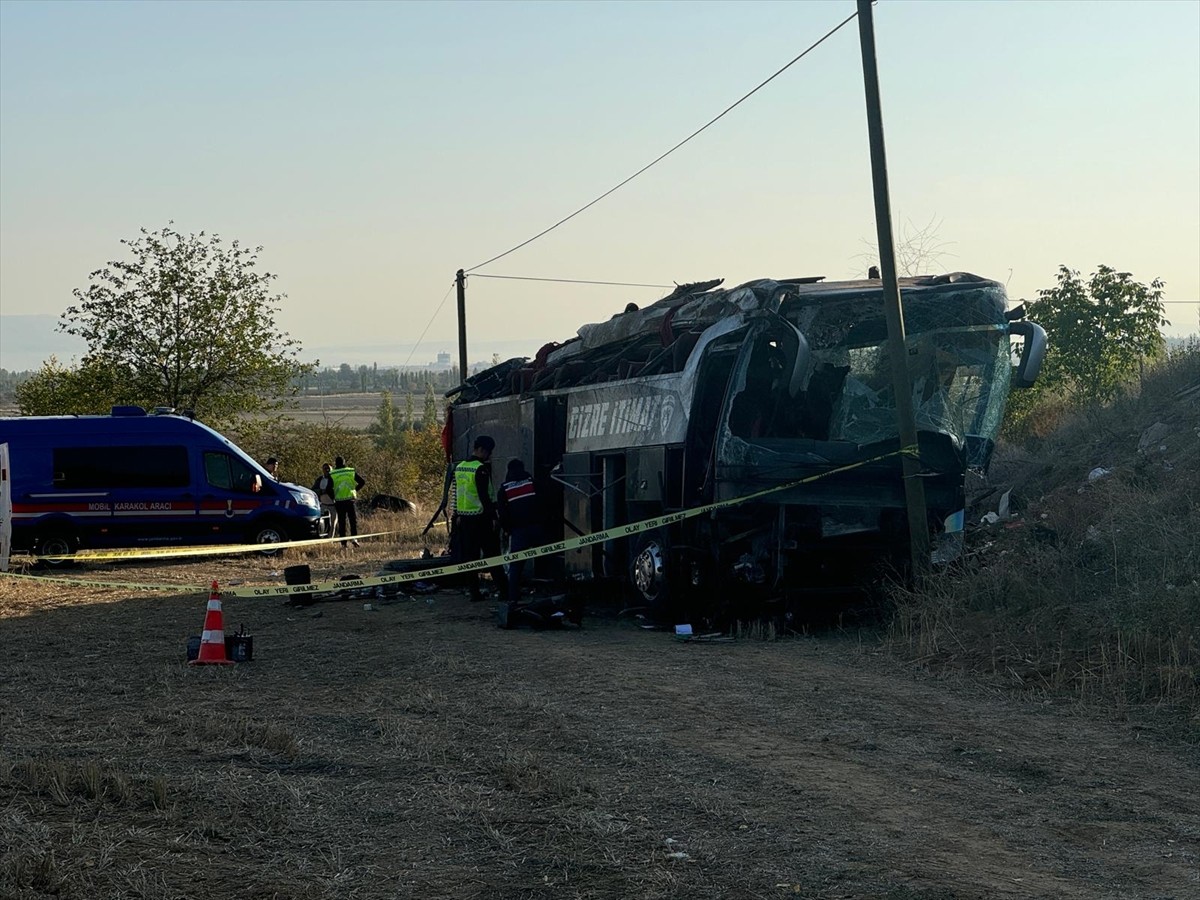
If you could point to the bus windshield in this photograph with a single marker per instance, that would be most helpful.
(960, 379)
(958, 361)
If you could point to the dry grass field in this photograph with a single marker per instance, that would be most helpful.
(355, 411)
(414, 750)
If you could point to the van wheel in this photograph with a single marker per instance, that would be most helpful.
(269, 533)
(56, 543)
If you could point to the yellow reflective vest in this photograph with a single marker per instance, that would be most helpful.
(345, 486)
(466, 496)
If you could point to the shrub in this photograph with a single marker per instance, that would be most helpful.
(1096, 588)
(414, 469)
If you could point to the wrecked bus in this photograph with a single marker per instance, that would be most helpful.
(712, 394)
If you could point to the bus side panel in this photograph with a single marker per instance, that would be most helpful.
(580, 485)
(502, 421)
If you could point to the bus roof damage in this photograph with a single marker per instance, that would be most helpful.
(713, 393)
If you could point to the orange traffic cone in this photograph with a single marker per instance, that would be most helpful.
(212, 641)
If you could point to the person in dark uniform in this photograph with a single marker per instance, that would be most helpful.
(476, 524)
(516, 503)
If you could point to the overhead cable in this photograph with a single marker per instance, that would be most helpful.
(572, 281)
(659, 159)
(430, 322)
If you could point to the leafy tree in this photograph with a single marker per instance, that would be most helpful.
(1100, 331)
(191, 322)
(384, 427)
(93, 388)
(408, 412)
(424, 465)
(429, 415)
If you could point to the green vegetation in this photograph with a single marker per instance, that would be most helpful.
(429, 416)
(1101, 332)
(411, 465)
(1093, 586)
(395, 456)
(188, 323)
(91, 388)
(345, 379)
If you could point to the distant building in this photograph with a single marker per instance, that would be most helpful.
(443, 361)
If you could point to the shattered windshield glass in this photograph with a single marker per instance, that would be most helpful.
(958, 360)
(960, 380)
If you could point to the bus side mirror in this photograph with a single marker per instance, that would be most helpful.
(1032, 354)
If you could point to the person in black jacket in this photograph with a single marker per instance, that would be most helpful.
(516, 502)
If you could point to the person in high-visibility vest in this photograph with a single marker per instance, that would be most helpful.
(476, 525)
(346, 483)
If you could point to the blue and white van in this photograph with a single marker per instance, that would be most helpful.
(136, 480)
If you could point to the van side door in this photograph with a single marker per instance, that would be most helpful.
(230, 496)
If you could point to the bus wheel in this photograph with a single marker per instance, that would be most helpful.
(648, 572)
(56, 543)
(269, 533)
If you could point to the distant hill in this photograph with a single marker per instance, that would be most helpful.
(28, 341)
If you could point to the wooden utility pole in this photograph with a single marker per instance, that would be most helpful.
(914, 490)
(460, 279)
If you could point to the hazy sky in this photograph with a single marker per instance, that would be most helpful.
(374, 148)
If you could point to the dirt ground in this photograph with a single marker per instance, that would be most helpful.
(416, 750)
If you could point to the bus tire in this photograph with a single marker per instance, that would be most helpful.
(650, 575)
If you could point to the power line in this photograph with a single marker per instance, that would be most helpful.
(573, 281)
(712, 121)
(430, 322)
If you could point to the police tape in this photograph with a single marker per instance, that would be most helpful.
(207, 550)
(553, 548)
